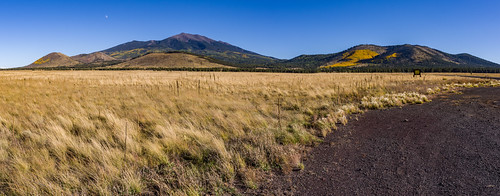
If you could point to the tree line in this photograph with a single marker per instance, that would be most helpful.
(288, 70)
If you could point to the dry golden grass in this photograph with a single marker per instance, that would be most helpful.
(176, 133)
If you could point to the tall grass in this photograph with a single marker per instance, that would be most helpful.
(175, 133)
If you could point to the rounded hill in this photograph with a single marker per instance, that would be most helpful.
(93, 57)
(169, 60)
(54, 59)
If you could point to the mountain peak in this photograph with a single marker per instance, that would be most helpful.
(186, 37)
(193, 43)
(55, 54)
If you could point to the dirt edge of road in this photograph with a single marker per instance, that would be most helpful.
(450, 146)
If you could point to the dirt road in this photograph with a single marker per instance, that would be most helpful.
(450, 146)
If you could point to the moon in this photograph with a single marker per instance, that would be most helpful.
(106, 16)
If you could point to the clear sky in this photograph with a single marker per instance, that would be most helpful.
(31, 29)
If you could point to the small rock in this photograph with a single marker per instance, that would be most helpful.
(406, 120)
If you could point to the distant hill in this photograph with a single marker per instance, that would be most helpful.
(399, 56)
(169, 60)
(192, 43)
(197, 51)
(54, 59)
(92, 57)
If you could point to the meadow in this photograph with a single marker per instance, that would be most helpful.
(180, 133)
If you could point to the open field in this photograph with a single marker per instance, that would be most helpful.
(179, 133)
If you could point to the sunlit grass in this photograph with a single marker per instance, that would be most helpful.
(176, 133)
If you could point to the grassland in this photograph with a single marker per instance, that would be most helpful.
(178, 133)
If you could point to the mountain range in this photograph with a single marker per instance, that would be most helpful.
(196, 44)
(389, 56)
(197, 51)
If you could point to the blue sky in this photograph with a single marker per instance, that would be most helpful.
(283, 29)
